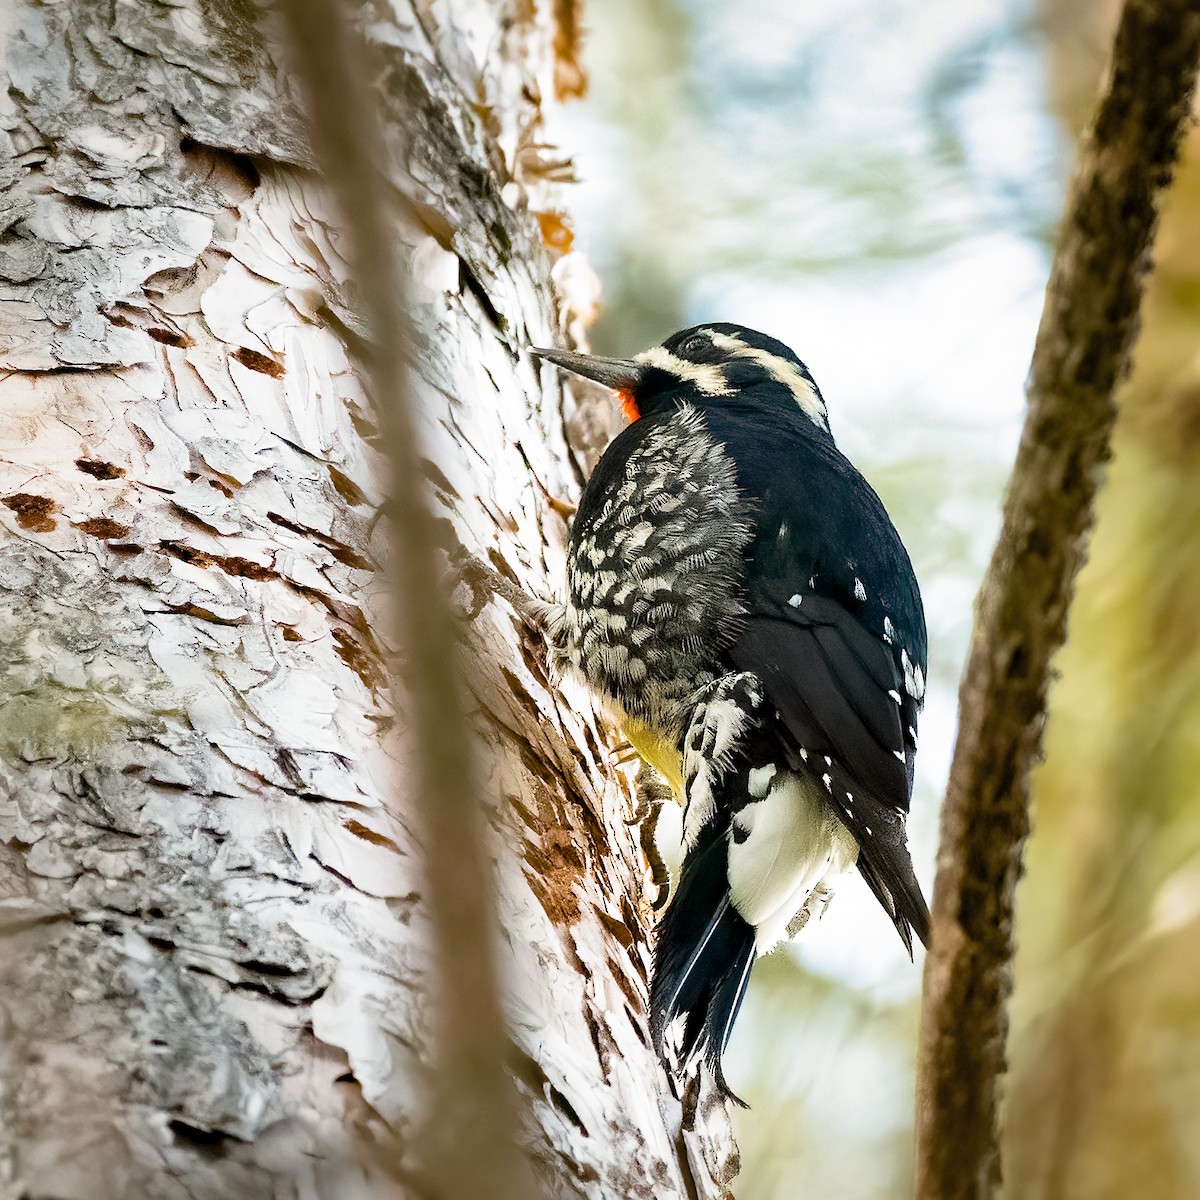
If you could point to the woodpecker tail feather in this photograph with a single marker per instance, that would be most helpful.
(900, 894)
(702, 962)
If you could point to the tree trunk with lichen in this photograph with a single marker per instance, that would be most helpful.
(213, 932)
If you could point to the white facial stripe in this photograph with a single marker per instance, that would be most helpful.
(782, 370)
(707, 377)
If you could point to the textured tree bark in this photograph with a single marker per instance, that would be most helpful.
(469, 1127)
(216, 941)
(1088, 327)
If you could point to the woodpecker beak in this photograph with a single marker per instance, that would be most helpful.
(620, 374)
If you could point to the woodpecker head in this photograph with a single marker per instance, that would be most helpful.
(703, 365)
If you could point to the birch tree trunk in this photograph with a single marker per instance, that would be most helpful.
(213, 934)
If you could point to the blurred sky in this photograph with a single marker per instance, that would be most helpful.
(874, 182)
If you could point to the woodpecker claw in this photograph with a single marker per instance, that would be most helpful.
(652, 791)
(484, 583)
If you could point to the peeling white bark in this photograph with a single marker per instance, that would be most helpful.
(212, 930)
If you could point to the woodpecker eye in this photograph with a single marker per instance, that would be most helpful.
(696, 343)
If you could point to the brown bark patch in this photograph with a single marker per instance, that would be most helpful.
(98, 469)
(203, 614)
(369, 835)
(170, 337)
(346, 555)
(188, 554)
(231, 564)
(364, 664)
(101, 527)
(190, 518)
(346, 487)
(234, 564)
(252, 360)
(618, 929)
(223, 488)
(33, 512)
(363, 425)
(555, 867)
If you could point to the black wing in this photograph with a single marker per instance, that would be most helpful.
(836, 631)
(836, 699)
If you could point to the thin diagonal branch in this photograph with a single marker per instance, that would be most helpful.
(1088, 327)
(469, 1145)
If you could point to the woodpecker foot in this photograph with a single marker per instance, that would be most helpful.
(483, 582)
(652, 792)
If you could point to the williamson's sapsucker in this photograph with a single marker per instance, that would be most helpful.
(743, 606)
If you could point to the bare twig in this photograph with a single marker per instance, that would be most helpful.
(469, 1145)
(1088, 327)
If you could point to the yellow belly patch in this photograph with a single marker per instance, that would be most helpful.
(660, 752)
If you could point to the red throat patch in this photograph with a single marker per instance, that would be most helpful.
(629, 404)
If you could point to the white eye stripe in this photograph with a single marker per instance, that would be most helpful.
(707, 377)
(780, 369)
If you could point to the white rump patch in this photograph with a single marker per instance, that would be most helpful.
(785, 868)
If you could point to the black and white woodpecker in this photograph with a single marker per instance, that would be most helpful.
(740, 602)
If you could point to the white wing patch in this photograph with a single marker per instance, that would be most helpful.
(914, 677)
(786, 853)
